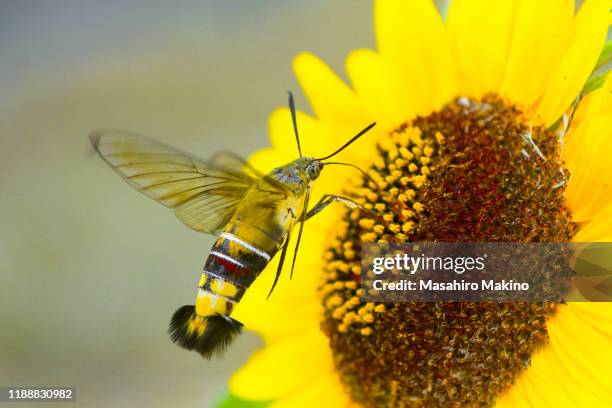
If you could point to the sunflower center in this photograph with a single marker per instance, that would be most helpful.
(471, 172)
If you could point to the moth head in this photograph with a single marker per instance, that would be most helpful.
(313, 169)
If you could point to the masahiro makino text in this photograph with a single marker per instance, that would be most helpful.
(455, 285)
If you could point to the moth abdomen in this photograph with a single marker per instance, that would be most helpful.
(232, 265)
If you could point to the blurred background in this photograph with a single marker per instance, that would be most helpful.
(90, 270)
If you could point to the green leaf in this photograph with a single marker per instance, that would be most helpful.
(228, 400)
(601, 70)
(595, 82)
(605, 56)
(442, 6)
(556, 125)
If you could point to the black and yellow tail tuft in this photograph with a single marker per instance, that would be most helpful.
(207, 335)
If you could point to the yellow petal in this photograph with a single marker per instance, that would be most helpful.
(590, 185)
(369, 73)
(481, 33)
(414, 41)
(292, 307)
(341, 113)
(589, 188)
(599, 229)
(325, 391)
(595, 315)
(596, 103)
(539, 40)
(315, 136)
(572, 369)
(330, 98)
(587, 356)
(266, 159)
(283, 367)
(589, 34)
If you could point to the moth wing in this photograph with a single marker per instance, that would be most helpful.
(266, 184)
(210, 213)
(230, 160)
(204, 194)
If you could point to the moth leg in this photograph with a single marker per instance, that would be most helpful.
(327, 199)
(280, 266)
(282, 255)
(299, 237)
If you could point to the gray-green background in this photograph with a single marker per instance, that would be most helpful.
(90, 270)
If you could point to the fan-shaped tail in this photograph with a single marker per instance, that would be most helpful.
(207, 335)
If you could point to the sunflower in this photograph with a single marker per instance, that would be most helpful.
(485, 133)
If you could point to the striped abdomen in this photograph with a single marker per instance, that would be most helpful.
(241, 252)
(232, 265)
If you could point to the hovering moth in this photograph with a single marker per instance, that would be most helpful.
(252, 215)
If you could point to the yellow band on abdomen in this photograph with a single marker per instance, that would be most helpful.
(207, 304)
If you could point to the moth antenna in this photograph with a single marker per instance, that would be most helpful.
(357, 136)
(362, 171)
(294, 120)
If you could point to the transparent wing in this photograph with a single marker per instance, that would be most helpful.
(203, 194)
(230, 160)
